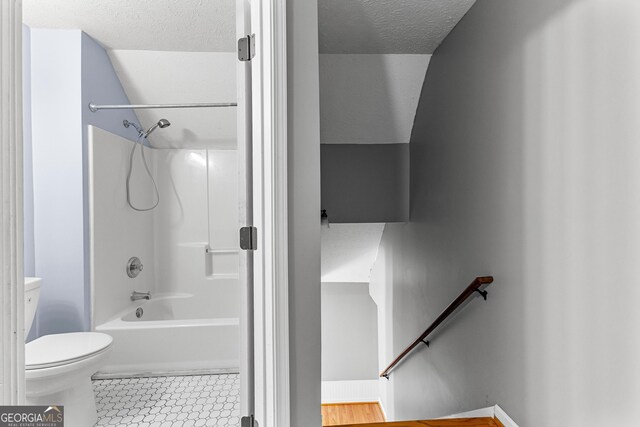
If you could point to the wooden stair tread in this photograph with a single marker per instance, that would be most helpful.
(460, 422)
(351, 413)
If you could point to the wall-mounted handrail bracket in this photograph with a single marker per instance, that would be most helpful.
(483, 293)
(475, 286)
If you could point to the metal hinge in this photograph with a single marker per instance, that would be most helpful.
(249, 421)
(247, 48)
(249, 238)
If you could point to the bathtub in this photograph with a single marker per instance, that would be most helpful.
(171, 333)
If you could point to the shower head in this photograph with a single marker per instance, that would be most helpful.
(162, 123)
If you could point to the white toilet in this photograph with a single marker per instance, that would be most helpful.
(59, 367)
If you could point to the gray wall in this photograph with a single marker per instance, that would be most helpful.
(349, 332)
(524, 160)
(365, 182)
(67, 70)
(101, 85)
(369, 98)
(304, 211)
(57, 180)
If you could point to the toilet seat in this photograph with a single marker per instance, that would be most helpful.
(56, 350)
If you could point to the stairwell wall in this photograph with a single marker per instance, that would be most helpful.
(523, 166)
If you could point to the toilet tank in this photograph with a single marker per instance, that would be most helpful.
(31, 297)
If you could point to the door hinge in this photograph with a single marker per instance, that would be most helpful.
(249, 238)
(247, 48)
(249, 421)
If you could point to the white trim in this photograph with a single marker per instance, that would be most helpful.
(488, 412)
(11, 213)
(502, 416)
(172, 373)
(491, 412)
(350, 391)
(245, 182)
(281, 226)
(271, 311)
(384, 412)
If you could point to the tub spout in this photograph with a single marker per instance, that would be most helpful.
(135, 296)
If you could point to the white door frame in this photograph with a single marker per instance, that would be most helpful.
(11, 210)
(270, 209)
(269, 97)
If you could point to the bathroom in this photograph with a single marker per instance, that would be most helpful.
(134, 192)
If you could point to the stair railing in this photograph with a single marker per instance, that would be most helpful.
(477, 286)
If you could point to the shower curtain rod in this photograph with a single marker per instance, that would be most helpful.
(97, 107)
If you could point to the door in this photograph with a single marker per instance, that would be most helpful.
(246, 272)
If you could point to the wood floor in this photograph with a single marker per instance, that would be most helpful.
(466, 422)
(351, 413)
(370, 415)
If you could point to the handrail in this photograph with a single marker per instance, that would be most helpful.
(475, 286)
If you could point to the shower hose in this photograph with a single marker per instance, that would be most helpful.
(140, 142)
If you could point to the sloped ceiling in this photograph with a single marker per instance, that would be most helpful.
(364, 98)
(379, 26)
(349, 252)
(157, 77)
(369, 99)
(184, 25)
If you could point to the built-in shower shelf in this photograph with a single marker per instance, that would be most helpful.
(221, 251)
(223, 276)
(193, 244)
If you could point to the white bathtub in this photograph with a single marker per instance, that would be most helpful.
(175, 333)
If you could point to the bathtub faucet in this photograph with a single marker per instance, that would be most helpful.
(135, 296)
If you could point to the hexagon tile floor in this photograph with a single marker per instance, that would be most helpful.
(197, 400)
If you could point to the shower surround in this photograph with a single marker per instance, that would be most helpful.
(188, 246)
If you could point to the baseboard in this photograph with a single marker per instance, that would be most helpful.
(350, 391)
(502, 416)
(118, 375)
(384, 413)
(491, 412)
(477, 413)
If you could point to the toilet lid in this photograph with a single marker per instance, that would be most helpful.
(60, 349)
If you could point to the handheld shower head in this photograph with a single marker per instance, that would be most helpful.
(162, 123)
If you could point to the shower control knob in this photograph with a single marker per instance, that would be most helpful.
(134, 267)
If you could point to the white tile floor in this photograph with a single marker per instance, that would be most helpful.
(197, 400)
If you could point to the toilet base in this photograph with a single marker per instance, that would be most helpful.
(79, 403)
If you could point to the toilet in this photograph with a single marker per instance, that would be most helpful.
(59, 366)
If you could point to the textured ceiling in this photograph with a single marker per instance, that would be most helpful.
(349, 252)
(157, 77)
(184, 25)
(379, 26)
(345, 26)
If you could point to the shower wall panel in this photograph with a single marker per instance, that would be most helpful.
(118, 232)
(188, 243)
(196, 225)
(180, 219)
